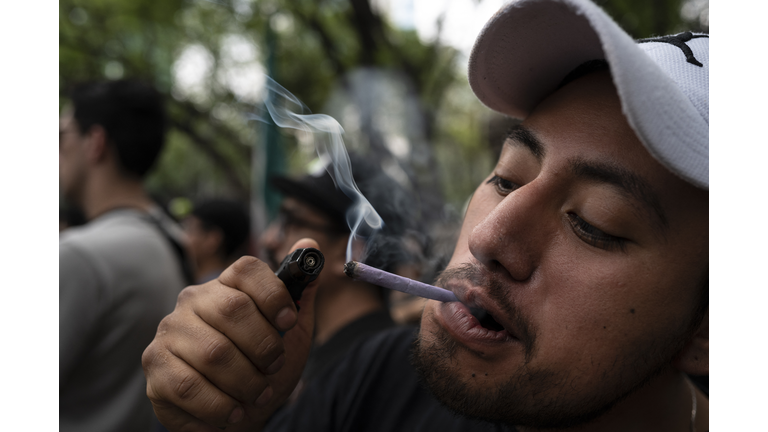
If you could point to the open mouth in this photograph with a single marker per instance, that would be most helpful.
(485, 319)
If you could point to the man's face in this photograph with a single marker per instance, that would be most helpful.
(72, 157)
(203, 244)
(587, 251)
(297, 220)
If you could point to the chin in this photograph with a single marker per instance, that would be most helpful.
(525, 396)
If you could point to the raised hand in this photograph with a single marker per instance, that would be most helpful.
(218, 359)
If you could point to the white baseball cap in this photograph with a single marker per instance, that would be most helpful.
(528, 47)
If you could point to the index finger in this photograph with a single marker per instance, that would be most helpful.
(255, 278)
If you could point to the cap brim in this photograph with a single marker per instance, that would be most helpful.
(529, 46)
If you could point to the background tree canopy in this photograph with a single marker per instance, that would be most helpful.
(401, 100)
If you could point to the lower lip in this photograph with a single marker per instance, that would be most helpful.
(465, 328)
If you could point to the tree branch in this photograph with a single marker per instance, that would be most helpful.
(208, 147)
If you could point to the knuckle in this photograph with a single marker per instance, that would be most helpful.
(189, 392)
(149, 356)
(218, 408)
(219, 351)
(269, 347)
(186, 295)
(236, 305)
(254, 386)
(188, 386)
(272, 296)
(165, 325)
(244, 265)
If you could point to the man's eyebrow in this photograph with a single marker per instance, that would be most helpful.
(627, 181)
(519, 134)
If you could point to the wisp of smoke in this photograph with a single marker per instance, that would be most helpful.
(287, 111)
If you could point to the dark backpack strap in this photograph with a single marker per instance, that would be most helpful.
(178, 248)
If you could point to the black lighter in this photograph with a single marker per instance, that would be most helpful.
(298, 269)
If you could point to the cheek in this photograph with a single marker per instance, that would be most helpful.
(592, 313)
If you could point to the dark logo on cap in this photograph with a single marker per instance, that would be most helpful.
(679, 41)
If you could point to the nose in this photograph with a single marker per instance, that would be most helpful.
(513, 235)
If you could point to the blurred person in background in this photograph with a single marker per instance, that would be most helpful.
(217, 233)
(345, 310)
(120, 273)
(70, 216)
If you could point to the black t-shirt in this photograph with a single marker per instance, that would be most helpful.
(332, 351)
(374, 388)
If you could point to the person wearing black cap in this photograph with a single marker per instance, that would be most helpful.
(587, 246)
(345, 309)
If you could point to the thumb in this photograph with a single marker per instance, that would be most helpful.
(298, 340)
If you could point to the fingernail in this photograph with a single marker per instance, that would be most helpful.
(276, 365)
(285, 318)
(236, 416)
(265, 396)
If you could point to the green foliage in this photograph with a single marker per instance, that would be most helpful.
(309, 47)
(643, 19)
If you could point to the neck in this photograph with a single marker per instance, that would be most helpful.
(108, 190)
(664, 405)
(340, 305)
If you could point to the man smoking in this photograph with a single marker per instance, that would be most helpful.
(587, 246)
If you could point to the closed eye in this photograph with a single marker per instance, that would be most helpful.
(594, 236)
(503, 187)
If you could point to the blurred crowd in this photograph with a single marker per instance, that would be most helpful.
(124, 257)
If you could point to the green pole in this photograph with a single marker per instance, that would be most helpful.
(267, 159)
(275, 157)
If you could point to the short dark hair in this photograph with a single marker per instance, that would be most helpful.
(230, 217)
(133, 115)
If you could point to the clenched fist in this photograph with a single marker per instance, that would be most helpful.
(218, 359)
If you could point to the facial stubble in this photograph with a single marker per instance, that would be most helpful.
(530, 395)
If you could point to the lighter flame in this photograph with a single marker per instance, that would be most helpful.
(287, 111)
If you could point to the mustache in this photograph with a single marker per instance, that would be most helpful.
(497, 290)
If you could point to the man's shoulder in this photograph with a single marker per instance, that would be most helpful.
(116, 244)
(116, 229)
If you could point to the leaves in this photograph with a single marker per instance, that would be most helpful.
(207, 56)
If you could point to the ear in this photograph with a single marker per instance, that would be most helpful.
(693, 359)
(96, 138)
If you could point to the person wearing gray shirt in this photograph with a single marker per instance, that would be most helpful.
(120, 273)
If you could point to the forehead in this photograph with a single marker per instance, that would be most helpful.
(583, 121)
(582, 132)
(585, 117)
